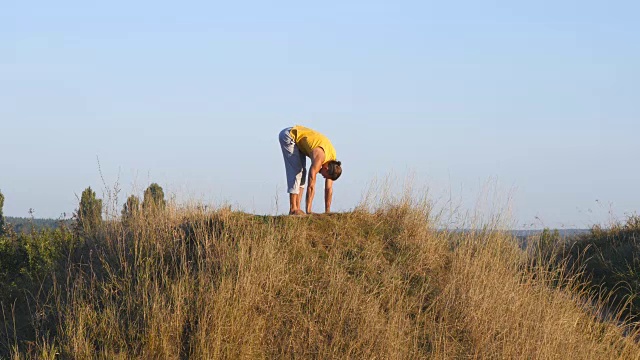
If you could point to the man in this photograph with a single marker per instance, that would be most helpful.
(297, 144)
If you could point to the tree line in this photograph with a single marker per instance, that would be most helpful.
(88, 216)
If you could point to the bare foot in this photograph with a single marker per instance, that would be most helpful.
(297, 212)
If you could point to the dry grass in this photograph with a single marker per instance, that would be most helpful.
(374, 283)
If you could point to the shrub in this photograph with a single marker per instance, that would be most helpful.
(29, 263)
(610, 262)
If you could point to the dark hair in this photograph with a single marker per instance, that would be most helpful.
(335, 169)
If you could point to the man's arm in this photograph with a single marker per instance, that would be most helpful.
(316, 163)
(328, 194)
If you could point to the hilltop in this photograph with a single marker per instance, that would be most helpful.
(376, 282)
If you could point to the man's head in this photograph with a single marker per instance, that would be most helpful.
(331, 170)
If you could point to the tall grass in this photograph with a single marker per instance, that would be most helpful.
(379, 282)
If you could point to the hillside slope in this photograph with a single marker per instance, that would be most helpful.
(366, 284)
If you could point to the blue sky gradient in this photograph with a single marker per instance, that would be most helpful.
(540, 99)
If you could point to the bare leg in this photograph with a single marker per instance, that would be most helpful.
(294, 203)
(299, 199)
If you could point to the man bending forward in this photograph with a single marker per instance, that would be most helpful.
(297, 144)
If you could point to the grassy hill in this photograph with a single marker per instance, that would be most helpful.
(375, 283)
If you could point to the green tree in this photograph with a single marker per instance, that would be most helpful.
(1, 215)
(89, 214)
(153, 198)
(130, 208)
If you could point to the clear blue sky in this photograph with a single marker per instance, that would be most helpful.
(540, 98)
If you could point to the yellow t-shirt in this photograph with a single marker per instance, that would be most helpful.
(307, 140)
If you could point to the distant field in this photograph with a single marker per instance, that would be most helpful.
(564, 233)
(22, 225)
